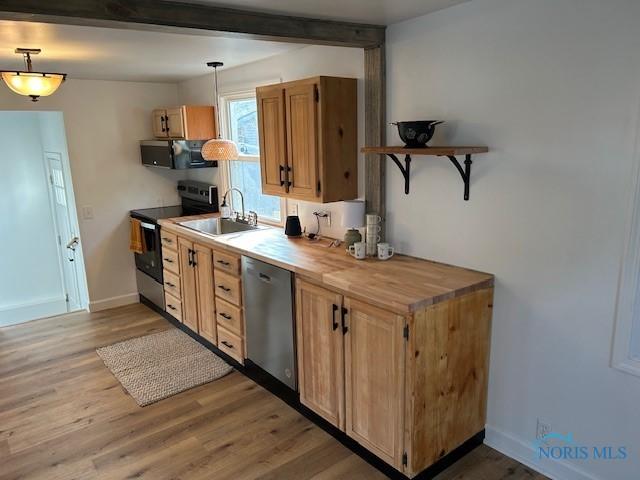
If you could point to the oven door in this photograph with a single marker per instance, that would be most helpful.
(150, 262)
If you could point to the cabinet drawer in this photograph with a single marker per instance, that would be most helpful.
(170, 261)
(171, 283)
(169, 240)
(231, 344)
(228, 288)
(229, 316)
(226, 262)
(173, 306)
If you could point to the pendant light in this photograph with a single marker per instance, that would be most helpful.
(30, 83)
(218, 148)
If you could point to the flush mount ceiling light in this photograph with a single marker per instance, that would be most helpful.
(30, 83)
(218, 148)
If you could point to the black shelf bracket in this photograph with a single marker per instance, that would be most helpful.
(465, 172)
(406, 169)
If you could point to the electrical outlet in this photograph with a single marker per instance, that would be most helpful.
(293, 209)
(542, 430)
(324, 214)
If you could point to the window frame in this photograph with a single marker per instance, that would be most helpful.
(223, 167)
(628, 297)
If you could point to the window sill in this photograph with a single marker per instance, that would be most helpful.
(270, 223)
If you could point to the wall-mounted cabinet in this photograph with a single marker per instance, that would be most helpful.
(187, 122)
(308, 139)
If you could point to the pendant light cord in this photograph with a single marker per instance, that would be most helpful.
(215, 75)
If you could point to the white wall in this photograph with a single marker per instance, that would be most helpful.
(104, 122)
(553, 88)
(30, 278)
(294, 65)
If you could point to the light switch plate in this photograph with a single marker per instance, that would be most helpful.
(87, 212)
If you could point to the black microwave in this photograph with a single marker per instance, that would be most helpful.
(174, 154)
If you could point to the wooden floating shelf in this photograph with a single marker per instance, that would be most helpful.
(450, 152)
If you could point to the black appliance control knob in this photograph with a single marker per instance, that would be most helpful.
(182, 188)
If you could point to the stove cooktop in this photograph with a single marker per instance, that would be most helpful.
(155, 214)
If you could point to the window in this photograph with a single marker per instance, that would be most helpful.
(240, 122)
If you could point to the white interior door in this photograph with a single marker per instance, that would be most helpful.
(68, 238)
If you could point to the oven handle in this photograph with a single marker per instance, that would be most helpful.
(148, 226)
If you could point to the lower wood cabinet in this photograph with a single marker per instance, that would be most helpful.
(203, 290)
(374, 379)
(408, 388)
(206, 305)
(188, 284)
(196, 275)
(320, 351)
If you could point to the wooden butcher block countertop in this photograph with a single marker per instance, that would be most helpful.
(403, 284)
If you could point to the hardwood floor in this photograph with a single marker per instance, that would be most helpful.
(64, 416)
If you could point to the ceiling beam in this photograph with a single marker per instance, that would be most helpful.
(162, 14)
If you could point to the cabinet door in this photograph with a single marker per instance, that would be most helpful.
(374, 383)
(174, 122)
(320, 351)
(271, 129)
(189, 282)
(302, 141)
(159, 126)
(206, 306)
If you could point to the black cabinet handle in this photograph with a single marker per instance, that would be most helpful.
(168, 260)
(167, 240)
(225, 315)
(171, 307)
(169, 284)
(192, 258)
(162, 123)
(334, 321)
(222, 262)
(166, 122)
(223, 288)
(281, 172)
(345, 329)
(289, 176)
(226, 344)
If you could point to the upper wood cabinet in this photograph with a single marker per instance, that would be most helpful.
(187, 122)
(273, 139)
(308, 139)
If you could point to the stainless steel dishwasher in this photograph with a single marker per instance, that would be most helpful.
(268, 310)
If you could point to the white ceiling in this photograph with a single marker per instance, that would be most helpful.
(133, 55)
(377, 12)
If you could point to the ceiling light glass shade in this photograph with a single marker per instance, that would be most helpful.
(33, 84)
(219, 149)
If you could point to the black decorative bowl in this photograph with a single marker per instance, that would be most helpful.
(416, 134)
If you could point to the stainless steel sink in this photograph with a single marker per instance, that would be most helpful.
(218, 226)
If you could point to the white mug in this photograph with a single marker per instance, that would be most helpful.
(358, 250)
(372, 218)
(385, 251)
